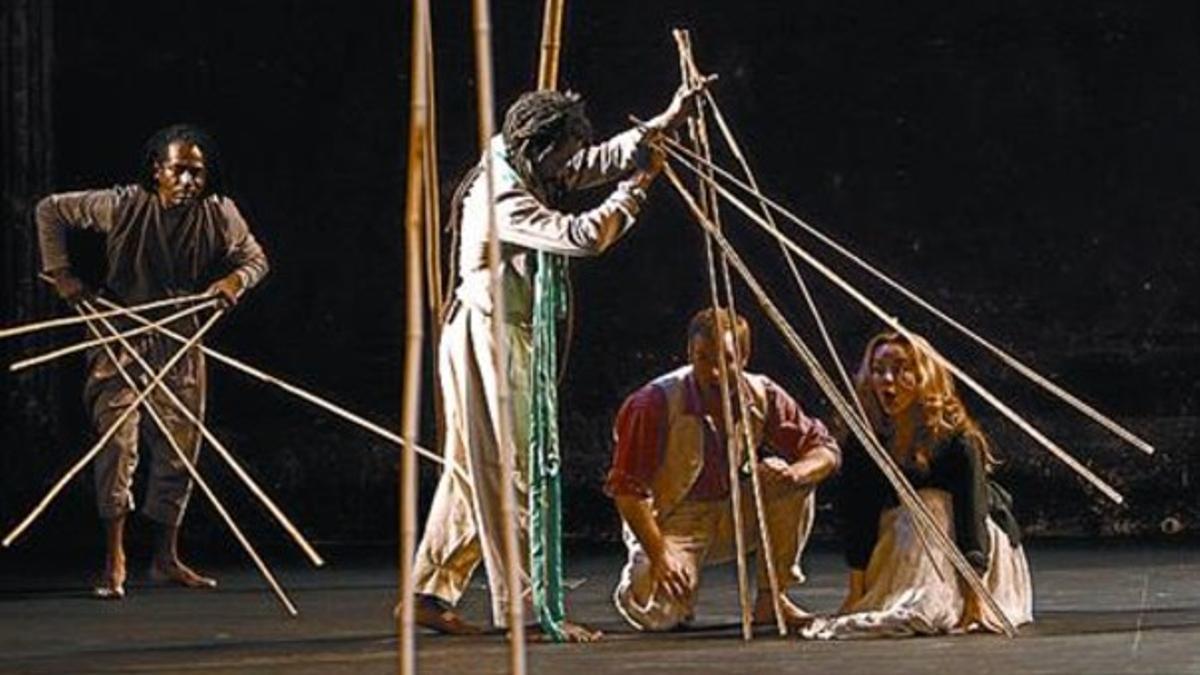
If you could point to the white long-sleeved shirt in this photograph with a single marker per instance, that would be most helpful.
(526, 225)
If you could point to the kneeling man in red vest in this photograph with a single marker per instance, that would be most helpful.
(670, 480)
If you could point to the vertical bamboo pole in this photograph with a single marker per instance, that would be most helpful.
(414, 217)
(512, 553)
(552, 19)
(433, 228)
(432, 192)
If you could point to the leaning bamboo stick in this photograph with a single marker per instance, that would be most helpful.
(215, 442)
(507, 447)
(818, 319)
(893, 323)
(735, 492)
(73, 320)
(809, 299)
(298, 392)
(88, 344)
(415, 218)
(188, 464)
(1008, 359)
(767, 550)
(112, 430)
(699, 140)
(904, 490)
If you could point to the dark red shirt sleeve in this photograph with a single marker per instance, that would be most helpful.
(789, 432)
(638, 436)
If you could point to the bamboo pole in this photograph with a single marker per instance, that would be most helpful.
(1030, 374)
(432, 243)
(507, 448)
(431, 189)
(73, 320)
(215, 442)
(733, 456)
(188, 464)
(88, 344)
(302, 394)
(551, 46)
(904, 490)
(112, 430)
(699, 139)
(415, 213)
(894, 324)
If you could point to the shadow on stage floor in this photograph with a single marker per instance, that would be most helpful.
(1099, 609)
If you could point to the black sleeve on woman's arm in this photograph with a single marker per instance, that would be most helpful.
(860, 501)
(961, 472)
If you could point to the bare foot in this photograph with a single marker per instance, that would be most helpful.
(111, 585)
(973, 617)
(437, 615)
(175, 572)
(794, 616)
(573, 632)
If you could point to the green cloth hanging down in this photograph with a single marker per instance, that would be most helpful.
(545, 485)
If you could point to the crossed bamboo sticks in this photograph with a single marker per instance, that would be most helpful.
(85, 309)
(894, 323)
(692, 161)
(697, 159)
(904, 489)
(92, 317)
(104, 334)
(160, 326)
(75, 320)
(112, 430)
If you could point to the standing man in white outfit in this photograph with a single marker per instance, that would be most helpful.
(541, 155)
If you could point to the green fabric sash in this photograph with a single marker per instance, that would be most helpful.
(545, 460)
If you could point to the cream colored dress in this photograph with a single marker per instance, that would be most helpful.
(904, 594)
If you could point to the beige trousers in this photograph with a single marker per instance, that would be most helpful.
(107, 397)
(702, 533)
(465, 519)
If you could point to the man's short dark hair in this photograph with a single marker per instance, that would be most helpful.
(707, 322)
(155, 150)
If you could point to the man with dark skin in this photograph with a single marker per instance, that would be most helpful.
(169, 235)
(670, 480)
(543, 153)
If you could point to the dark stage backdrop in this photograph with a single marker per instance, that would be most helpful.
(1031, 167)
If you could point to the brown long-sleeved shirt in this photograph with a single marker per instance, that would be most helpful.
(153, 252)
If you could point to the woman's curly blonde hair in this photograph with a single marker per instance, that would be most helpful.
(942, 411)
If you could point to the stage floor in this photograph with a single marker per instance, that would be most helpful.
(1099, 609)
